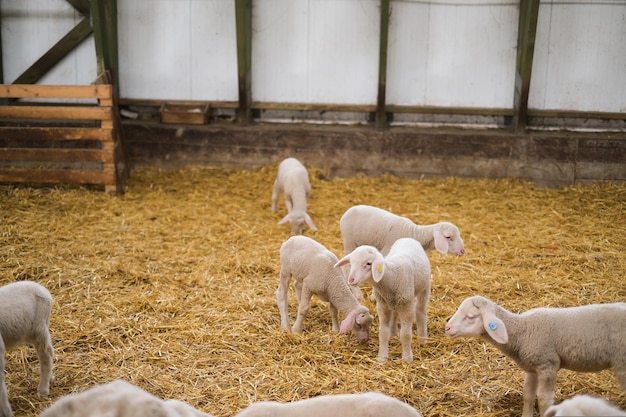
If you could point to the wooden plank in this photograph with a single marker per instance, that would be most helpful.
(55, 112)
(381, 114)
(243, 16)
(99, 91)
(479, 111)
(312, 107)
(55, 54)
(56, 176)
(56, 133)
(55, 155)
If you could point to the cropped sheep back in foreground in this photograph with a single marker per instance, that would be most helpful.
(584, 405)
(25, 309)
(369, 404)
(368, 225)
(119, 399)
(312, 267)
(401, 284)
(292, 179)
(541, 341)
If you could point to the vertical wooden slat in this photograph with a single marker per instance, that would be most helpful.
(527, 32)
(243, 13)
(55, 54)
(381, 114)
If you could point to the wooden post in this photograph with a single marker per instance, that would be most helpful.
(104, 16)
(381, 114)
(1, 62)
(527, 32)
(243, 14)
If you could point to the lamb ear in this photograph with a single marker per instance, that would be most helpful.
(441, 243)
(343, 261)
(347, 324)
(378, 269)
(495, 328)
(308, 220)
(284, 220)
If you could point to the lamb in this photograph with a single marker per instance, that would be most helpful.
(25, 309)
(368, 404)
(121, 399)
(312, 267)
(401, 283)
(584, 405)
(541, 341)
(293, 180)
(384, 228)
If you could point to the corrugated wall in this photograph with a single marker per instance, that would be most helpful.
(458, 53)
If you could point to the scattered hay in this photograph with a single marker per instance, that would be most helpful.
(171, 287)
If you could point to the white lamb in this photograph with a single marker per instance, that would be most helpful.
(584, 405)
(541, 341)
(369, 404)
(401, 283)
(120, 399)
(293, 180)
(367, 225)
(25, 309)
(312, 267)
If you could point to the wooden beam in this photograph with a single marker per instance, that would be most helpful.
(55, 54)
(381, 113)
(104, 17)
(243, 16)
(527, 32)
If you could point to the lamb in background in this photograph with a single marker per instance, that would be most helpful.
(401, 283)
(120, 399)
(369, 404)
(368, 225)
(312, 267)
(293, 180)
(25, 309)
(584, 405)
(541, 341)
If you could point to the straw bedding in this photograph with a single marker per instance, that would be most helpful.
(171, 287)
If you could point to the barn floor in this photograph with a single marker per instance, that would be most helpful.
(171, 286)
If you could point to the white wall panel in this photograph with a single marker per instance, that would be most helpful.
(315, 51)
(580, 57)
(459, 54)
(177, 49)
(30, 28)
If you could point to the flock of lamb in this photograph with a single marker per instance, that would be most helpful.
(388, 253)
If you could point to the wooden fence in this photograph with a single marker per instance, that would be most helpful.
(46, 142)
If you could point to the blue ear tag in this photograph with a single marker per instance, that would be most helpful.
(493, 325)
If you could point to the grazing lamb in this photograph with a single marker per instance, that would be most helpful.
(369, 404)
(584, 405)
(293, 180)
(541, 341)
(312, 267)
(401, 283)
(120, 399)
(25, 308)
(384, 228)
